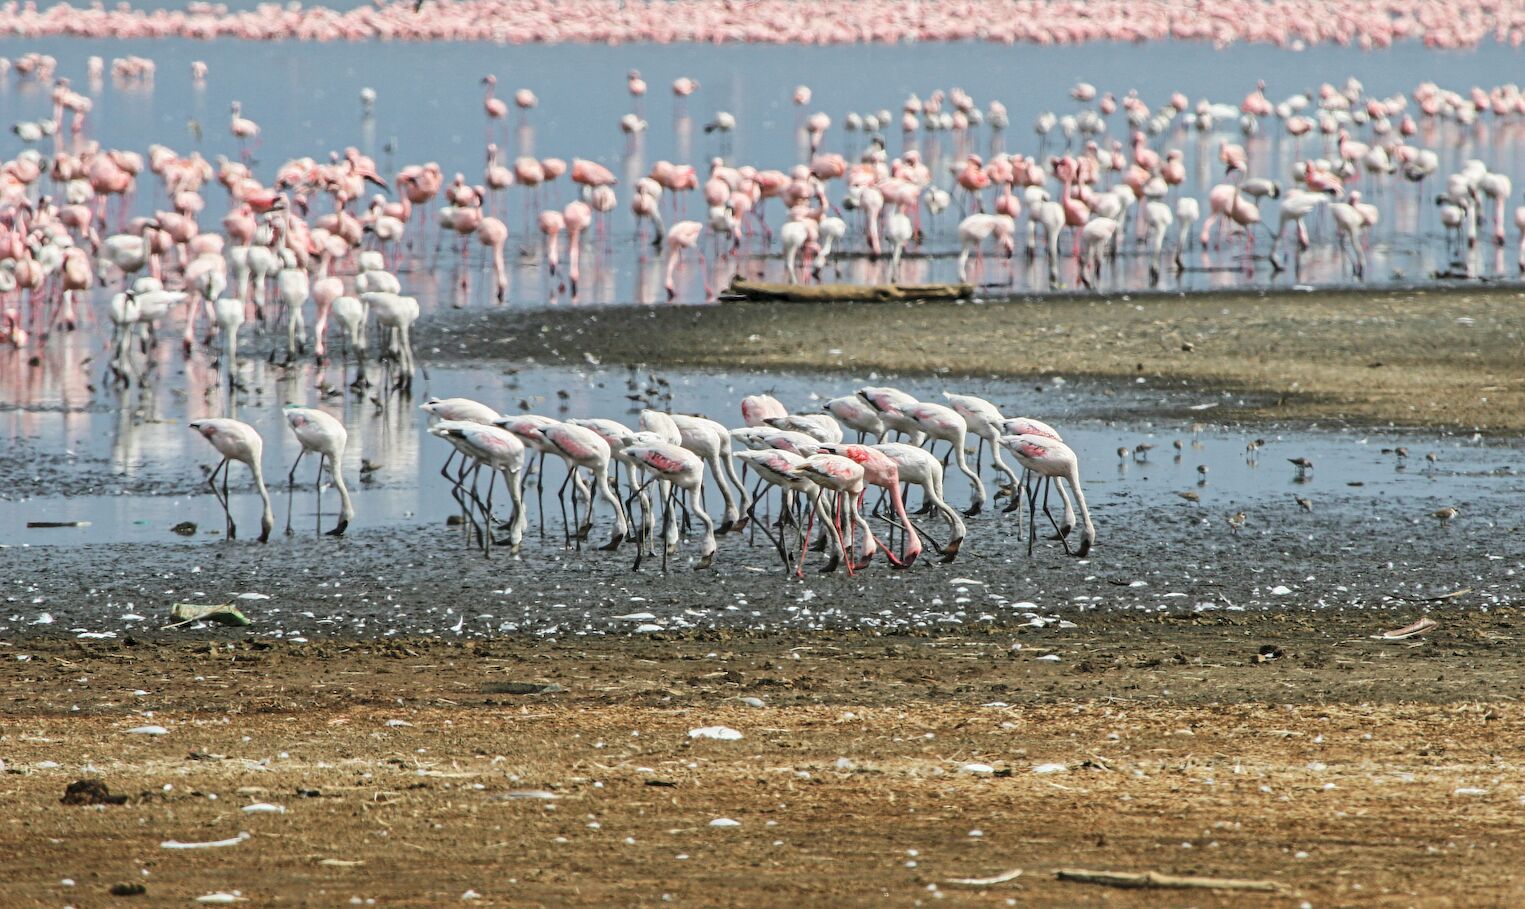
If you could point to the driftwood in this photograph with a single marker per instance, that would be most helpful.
(1163, 881)
(1408, 631)
(757, 291)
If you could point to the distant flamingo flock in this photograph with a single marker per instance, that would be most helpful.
(334, 234)
(1286, 23)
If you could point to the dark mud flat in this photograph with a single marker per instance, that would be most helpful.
(1377, 557)
(1447, 359)
(869, 771)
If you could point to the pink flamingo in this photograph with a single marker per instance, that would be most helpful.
(493, 234)
(1051, 459)
(879, 470)
(844, 477)
(243, 130)
(551, 225)
(683, 235)
(494, 106)
(647, 204)
(576, 216)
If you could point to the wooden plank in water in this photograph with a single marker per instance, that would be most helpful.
(844, 293)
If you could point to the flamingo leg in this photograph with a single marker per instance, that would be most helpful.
(487, 541)
(291, 481)
(222, 498)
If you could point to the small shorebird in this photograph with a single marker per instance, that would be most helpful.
(1191, 497)
(1445, 515)
(1123, 453)
(1236, 522)
(1303, 465)
(1141, 451)
(1304, 504)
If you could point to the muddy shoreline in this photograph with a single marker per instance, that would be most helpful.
(1441, 359)
(415, 724)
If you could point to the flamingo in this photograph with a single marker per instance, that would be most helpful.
(243, 129)
(756, 409)
(581, 447)
(975, 229)
(1051, 459)
(1349, 221)
(236, 441)
(856, 414)
(682, 235)
(500, 451)
(889, 404)
(576, 216)
(819, 426)
(1294, 208)
(882, 471)
(776, 467)
(683, 471)
(920, 467)
(984, 419)
(711, 441)
(942, 423)
(323, 435)
(1158, 217)
(493, 234)
(844, 477)
(1187, 212)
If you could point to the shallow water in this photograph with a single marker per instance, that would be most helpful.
(127, 464)
(305, 97)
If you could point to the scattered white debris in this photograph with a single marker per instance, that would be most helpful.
(648, 628)
(541, 794)
(221, 897)
(1280, 590)
(970, 581)
(986, 881)
(44, 619)
(1470, 790)
(400, 724)
(264, 808)
(1051, 768)
(977, 768)
(216, 844)
(148, 730)
(722, 733)
(635, 617)
(254, 596)
(753, 702)
(724, 822)
(1050, 657)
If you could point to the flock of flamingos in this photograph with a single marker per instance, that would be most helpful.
(1286, 23)
(335, 236)
(670, 458)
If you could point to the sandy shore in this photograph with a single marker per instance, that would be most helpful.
(1442, 359)
(1347, 771)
